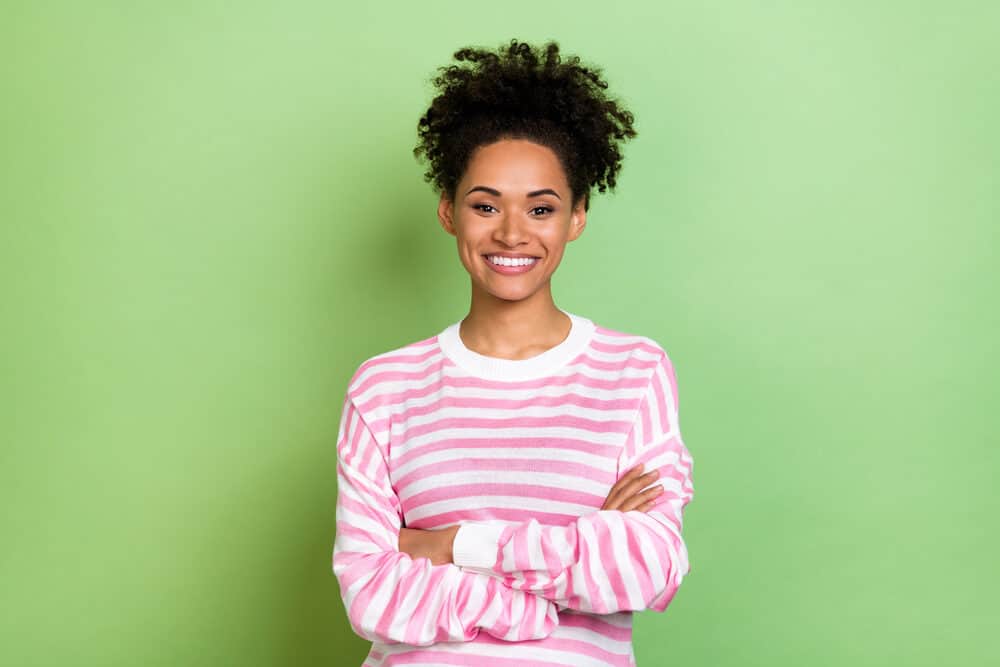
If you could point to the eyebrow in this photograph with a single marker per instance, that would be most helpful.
(496, 193)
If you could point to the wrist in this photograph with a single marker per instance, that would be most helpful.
(449, 542)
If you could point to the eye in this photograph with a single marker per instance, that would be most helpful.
(545, 209)
(479, 206)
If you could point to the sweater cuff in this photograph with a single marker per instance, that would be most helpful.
(476, 546)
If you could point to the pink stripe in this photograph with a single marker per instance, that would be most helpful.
(362, 535)
(661, 405)
(373, 566)
(605, 538)
(593, 587)
(596, 623)
(423, 609)
(494, 513)
(518, 548)
(523, 422)
(554, 443)
(506, 465)
(641, 567)
(441, 493)
(470, 383)
(513, 403)
(571, 646)
(388, 618)
(422, 657)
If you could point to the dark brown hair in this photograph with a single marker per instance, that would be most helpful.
(518, 92)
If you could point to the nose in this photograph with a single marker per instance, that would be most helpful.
(509, 231)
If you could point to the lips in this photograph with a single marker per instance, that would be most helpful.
(511, 270)
(512, 255)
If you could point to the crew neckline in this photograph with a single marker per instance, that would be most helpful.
(499, 368)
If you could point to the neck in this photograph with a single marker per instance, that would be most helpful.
(513, 329)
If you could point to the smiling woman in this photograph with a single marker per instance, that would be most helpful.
(489, 486)
(512, 227)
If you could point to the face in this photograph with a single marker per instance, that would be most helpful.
(513, 201)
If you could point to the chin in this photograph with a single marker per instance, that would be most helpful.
(511, 295)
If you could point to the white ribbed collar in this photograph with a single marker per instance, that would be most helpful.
(497, 368)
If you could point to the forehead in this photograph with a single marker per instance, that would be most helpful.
(518, 164)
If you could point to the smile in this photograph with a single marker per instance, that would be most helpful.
(510, 265)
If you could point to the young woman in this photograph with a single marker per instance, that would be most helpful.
(512, 488)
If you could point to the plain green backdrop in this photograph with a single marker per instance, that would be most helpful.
(211, 215)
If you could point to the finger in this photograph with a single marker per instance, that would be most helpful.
(628, 486)
(633, 486)
(638, 502)
(615, 494)
(647, 506)
(645, 497)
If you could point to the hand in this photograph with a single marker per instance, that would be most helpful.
(624, 495)
(433, 544)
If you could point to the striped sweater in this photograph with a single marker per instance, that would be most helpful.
(520, 454)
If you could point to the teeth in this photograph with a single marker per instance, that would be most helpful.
(511, 261)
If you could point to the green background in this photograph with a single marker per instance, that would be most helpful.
(211, 216)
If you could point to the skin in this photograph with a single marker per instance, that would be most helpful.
(514, 316)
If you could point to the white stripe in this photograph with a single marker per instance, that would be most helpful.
(593, 564)
(433, 459)
(623, 558)
(607, 438)
(568, 410)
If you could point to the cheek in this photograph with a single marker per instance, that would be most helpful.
(468, 231)
(468, 250)
(556, 240)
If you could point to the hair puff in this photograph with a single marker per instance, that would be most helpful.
(519, 92)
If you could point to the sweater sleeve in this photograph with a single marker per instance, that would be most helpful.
(605, 561)
(393, 598)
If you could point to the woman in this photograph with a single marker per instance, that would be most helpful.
(492, 501)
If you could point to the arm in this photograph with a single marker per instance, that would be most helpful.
(606, 561)
(393, 598)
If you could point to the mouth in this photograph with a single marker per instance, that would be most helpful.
(506, 265)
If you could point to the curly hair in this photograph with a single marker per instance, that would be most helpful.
(519, 92)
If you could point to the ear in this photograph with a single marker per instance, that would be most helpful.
(578, 220)
(446, 212)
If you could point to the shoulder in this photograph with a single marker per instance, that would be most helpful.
(645, 355)
(380, 372)
(629, 344)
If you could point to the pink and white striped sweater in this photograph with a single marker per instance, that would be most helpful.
(521, 455)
